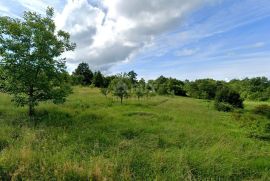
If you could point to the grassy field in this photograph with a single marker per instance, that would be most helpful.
(91, 137)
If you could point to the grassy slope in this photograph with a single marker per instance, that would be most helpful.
(161, 138)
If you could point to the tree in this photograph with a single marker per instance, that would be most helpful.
(30, 49)
(120, 86)
(132, 77)
(202, 89)
(98, 79)
(139, 91)
(176, 86)
(83, 73)
(104, 91)
(108, 80)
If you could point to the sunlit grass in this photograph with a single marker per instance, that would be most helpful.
(162, 138)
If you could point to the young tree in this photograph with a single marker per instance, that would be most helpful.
(139, 91)
(104, 91)
(120, 86)
(83, 73)
(30, 51)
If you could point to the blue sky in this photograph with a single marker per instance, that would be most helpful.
(186, 39)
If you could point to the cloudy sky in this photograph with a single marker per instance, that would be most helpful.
(186, 39)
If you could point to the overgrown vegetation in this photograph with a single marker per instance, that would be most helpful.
(91, 137)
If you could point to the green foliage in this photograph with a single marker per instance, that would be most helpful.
(104, 91)
(3, 144)
(82, 75)
(140, 91)
(120, 86)
(223, 106)
(132, 77)
(98, 79)
(263, 109)
(169, 86)
(163, 138)
(226, 95)
(202, 89)
(30, 51)
(257, 88)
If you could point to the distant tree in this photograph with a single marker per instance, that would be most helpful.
(120, 86)
(108, 80)
(202, 89)
(132, 77)
(252, 89)
(176, 86)
(140, 91)
(142, 82)
(77, 79)
(30, 49)
(83, 73)
(98, 79)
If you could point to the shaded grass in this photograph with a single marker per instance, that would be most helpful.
(162, 138)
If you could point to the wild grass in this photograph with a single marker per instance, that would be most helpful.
(92, 137)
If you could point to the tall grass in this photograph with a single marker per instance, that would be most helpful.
(91, 137)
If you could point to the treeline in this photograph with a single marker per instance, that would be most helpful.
(228, 94)
(256, 89)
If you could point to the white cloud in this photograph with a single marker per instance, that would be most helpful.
(113, 31)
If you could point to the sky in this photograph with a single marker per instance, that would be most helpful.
(185, 39)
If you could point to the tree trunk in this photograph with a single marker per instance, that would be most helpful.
(121, 100)
(31, 110)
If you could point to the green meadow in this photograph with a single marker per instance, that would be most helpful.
(91, 137)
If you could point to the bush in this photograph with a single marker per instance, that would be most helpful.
(229, 96)
(262, 110)
(222, 106)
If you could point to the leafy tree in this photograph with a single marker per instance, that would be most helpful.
(142, 82)
(98, 79)
(202, 89)
(120, 86)
(140, 90)
(30, 49)
(108, 80)
(176, 86)
(83, 73)
(253, 89)
(132, 77)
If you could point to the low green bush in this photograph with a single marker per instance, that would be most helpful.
(222, 106)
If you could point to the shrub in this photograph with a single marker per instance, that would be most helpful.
(262, 110)
(223, 106)
(229, 96)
